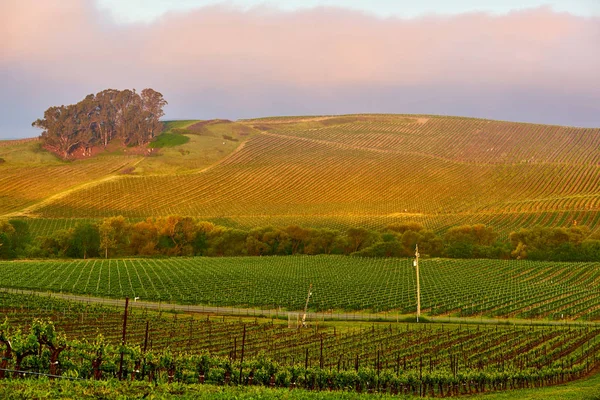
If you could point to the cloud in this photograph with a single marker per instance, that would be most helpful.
(269, 61)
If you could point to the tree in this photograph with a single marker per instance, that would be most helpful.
(388, 247)
(144, 238)
(6, 243)
(97, 119)
(20, 236)
(257, 242)
(86, 240)
(469, 241)
(405, 226)
(298, 238)
(590, 250)
(324, 241)
(113, 233)
(153, 103)
(105, 116)
(359, 238)
(227, 242)
(544, 243)
(176, 234)
(61, 132)
(58, 244)
(200, 243)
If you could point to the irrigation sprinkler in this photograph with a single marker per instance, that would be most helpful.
(416, 264)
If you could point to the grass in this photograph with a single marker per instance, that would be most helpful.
(586, 389)
(169, 140)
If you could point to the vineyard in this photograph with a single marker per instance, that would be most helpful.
(465, 288)
(337, 172)
(437, 360)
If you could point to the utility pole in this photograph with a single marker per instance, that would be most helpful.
(416, 264)
(306, 306)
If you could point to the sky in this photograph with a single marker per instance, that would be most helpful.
(520, 60)
(149, 10)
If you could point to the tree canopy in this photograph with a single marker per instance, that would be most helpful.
(97, 119)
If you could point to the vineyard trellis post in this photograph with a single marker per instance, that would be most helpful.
(123, 340)
(242, 357)
(416, 264)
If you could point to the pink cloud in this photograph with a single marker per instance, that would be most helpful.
(320, 46)
(317, 50)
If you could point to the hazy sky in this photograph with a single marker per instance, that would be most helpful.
(149, 10)
(524, 60)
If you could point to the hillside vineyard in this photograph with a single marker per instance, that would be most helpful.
(364, 170)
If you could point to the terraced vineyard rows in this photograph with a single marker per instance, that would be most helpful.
(372, 171)
(21, 187)
(454, 138)
(493, 288)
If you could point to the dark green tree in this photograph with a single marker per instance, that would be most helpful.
(85, 241)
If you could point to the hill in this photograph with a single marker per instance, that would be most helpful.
(335, 171)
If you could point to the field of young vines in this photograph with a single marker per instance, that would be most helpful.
(491, 288)
(362, 170)
(438, 360)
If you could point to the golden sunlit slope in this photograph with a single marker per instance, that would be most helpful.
(31, 178)
(367, 170)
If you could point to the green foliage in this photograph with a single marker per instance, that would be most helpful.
(98, 119)
(185, 236)
(85, 241)
(169, 140)
(557, 244)
(483, 365)
(14, 238)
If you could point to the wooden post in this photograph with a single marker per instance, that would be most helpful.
(242, 356)
(418, 283)
(306, 359)
(321, 356)
(123, 340)
(146, 336)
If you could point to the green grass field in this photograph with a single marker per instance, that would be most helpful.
(18, 389)
(466, 288)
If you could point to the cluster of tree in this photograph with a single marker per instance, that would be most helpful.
(15, 240)
(556, 244)
(96, 120)
(186, 236)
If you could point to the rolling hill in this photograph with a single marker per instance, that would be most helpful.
(337, 171)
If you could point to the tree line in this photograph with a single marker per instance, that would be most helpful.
(97, 119)
(186, 236)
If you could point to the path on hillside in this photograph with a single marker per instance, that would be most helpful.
(278, 313)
